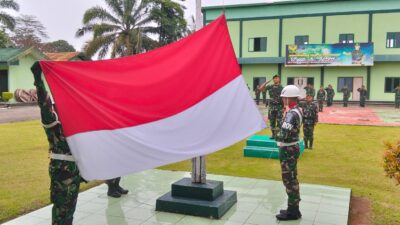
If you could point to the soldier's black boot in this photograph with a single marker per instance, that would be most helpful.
(119, 188)
(311, 142)
(112, 189)
(292, 213)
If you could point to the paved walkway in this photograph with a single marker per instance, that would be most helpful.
(258, 202)
(19, 113)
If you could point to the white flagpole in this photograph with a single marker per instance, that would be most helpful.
(199, 163)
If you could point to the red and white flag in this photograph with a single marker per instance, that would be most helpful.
(139, 112)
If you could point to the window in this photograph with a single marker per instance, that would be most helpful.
(391, 83)
(258, 44)
(258, 81)
(301, 40)
(346, 38)
(3, 81)
(310, 80)
(345, 81)
(290, 81)
(393, 40)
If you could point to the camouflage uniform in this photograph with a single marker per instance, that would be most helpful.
(330, 93)
(397, 97)
(346, 96)
(257, 92)
(275, 108)
(289, 152)
(363, 96)
(264, 95)
(321, 98)
(310, 112)
(310, 91)
(64, 173)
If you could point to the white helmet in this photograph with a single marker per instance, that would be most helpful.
(290, 91)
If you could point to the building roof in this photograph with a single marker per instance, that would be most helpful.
(66, 56)
(263, 2)
(11, 55)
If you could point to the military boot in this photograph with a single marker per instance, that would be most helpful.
(311, 142)
(292, 213)
(113, 189)
(119, 188)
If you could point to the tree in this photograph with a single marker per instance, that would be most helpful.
(122, 29)
(391, 160)
(58, 46)
(28, 32)
(6, 20)
(5, 41)
(169, 17)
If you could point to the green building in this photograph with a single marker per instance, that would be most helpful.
(260, 33)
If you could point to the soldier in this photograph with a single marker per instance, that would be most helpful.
(397, 97)
(310, 90)
(321, 98)
(257, 92)
(310, 120)
(289, 151)
(330, 94)
(64, 173)
(264, 94)
(363, 95)
(275, 105)
(114, 190)
(346, 95)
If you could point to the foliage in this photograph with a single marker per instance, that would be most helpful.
(58, 46)
(5, 41)
(6, 20)
(169, 17)
(29, 32)
(391, 161)
(121, 29)
(6, 96)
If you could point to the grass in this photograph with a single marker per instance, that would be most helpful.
(344, 156)
(24, 179)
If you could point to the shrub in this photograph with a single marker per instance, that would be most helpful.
(6, 96)
(391, 160)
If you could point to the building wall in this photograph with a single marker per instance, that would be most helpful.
(234, 32)
(20, 76)
(378, 74)
(261, 28)
(260, 70)
(381, 24)
(311, 26)
(314, 72)
(345, 24)
(333, 73)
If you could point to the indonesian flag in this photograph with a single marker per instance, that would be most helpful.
(135, 113)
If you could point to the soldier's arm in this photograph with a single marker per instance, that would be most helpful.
(45, 108)
(316, 114)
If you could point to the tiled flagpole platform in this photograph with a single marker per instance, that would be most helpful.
(258, 202)
(264, 147)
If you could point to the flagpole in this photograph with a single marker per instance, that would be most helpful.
(199, 163)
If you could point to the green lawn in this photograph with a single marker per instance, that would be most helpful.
(344, 156)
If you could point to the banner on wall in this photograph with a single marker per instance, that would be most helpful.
(355, 54)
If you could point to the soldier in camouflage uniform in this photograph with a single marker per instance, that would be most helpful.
(64, 173)
(321, 98)
(397, 97)
(257, 92)
(310, 90)
(346, 95)
(363, 95)
(275, 105)
(310, 111)
(264, 94)
(289, 152)
(330, 94)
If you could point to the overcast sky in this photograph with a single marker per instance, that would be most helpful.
(62, 18)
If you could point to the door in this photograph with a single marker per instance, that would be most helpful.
(3, 81)
(357, 83)
(301, 83)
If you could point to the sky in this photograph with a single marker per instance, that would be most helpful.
(63, 18)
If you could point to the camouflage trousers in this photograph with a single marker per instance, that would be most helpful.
(362, 101)
(345, 102)
(329, 101)
(320, 105)
(308, 131)
(64, 188)
(275, 114)
(288, 156)
(397, 103)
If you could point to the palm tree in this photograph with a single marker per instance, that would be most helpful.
(122, 29)
(6, 20)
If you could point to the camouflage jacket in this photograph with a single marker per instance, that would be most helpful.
(310, 91)
(310, 112)
(291, 125)
(330, 92)
(55, 135)
(274, 91)
(363, 93)
(346, 93)
(321, 95)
